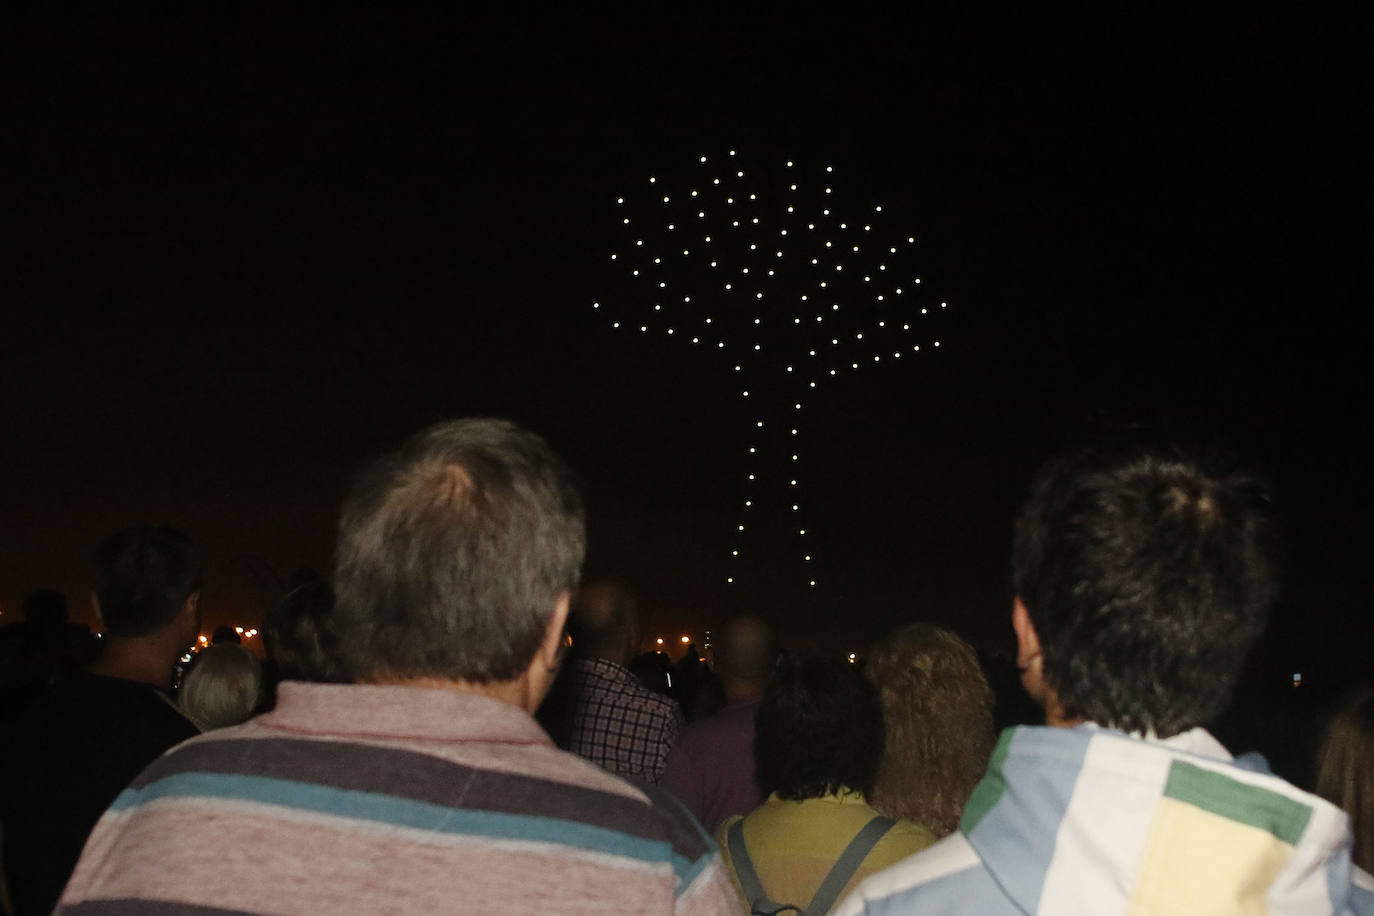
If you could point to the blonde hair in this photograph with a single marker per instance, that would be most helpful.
(1345, 770)
(937, 709)
(222, 688)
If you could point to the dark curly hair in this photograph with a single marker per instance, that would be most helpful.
(1148, 574)
(819, 728)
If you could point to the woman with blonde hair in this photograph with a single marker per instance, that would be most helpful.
(1345, 770)
(937, 710)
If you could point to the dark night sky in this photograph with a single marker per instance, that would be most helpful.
(244, 256)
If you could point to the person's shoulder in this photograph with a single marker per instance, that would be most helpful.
(947, 877)
(910, 836)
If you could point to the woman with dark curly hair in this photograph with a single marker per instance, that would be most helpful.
(818, 742)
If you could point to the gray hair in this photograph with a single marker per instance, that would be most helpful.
(453, 553)
(222, 688)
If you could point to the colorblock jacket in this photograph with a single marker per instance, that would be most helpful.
(1093, 821)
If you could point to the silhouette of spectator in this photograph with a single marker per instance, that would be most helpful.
(655, 671)
(1345, 769)
(298, 638)
(225, 635)
(1142, 578)
(69, 747)
(224, 688)
(818, 742)
(423, 785)
(937, 709)
(711, 768)
(616, 722)
(43, 644)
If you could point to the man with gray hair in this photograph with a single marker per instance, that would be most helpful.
(423, 784)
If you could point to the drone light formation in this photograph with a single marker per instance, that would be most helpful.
(767, 266)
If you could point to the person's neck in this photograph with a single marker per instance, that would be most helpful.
(143, 659)
(517, 692)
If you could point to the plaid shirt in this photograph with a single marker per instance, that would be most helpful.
(619, 724)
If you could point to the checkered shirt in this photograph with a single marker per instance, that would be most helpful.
(619, 724)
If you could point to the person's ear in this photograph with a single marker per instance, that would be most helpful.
(552, 648)
(1028, 657)
(1027, 640)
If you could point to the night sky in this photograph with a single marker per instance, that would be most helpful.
(243, 256)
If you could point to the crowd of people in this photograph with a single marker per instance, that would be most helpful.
(455, 722)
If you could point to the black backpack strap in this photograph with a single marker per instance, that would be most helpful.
(748, 875)
(847, 864)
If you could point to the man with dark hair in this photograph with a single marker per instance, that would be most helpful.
(1143, 576)
(70, 744)
(423, 785)
(617, 722)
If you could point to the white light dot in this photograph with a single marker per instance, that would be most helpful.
(596, 305)
(626, 221)
(729, 579)
(935, 344)
(759, 424)
(746, 394)
(615, 324)
(795, 508)
(739, 174)
(652, 180)
(665, 200)
(703, 158)
(620, 200)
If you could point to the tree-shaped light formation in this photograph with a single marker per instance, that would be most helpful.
(787, 285)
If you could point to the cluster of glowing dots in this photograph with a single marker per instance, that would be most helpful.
(770, 269)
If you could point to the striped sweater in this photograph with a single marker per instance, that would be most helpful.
(1091, 821)
(377, 799)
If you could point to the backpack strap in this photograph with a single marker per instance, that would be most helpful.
(748, 875)
(847, 864)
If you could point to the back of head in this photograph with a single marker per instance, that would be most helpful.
(819, 729)
(937, 709)
(144, 576)
(746, 649)
(1345, 770)
(223, 687)
(453, 553)
(604, 622)
(298, 634)
(1148, 574)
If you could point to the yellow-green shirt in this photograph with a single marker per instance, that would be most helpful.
(794, 844)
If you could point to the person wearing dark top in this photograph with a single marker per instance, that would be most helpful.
(69, 745)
